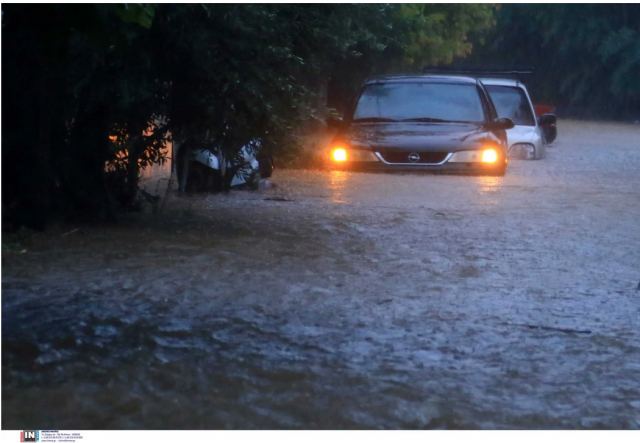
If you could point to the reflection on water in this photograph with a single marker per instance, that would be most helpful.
(404, 308)
(488, 188)
(337, 184)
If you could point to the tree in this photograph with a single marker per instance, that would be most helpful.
(586, 57)
(95, 91)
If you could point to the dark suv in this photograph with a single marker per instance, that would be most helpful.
(424, 122)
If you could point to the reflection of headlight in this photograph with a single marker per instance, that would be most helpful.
(340, 154)
(488, 155)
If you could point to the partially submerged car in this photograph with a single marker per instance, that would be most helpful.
(531, 134)
(422, 123)
(207, 169)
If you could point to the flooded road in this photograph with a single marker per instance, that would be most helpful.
(344, 300)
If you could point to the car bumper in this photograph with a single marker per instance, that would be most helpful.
(447, 166)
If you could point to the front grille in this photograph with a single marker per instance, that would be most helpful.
(404, 156)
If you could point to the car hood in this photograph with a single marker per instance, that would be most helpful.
(419, 137)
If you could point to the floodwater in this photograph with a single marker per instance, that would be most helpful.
(339, 300)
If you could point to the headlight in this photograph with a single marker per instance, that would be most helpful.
(489, 155)
(523, 151)
(339, 155)
(466, 157)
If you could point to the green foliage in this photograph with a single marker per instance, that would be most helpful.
(384, 39)
(75, 76)
(587, 57)
(139, 14)
(438, 33)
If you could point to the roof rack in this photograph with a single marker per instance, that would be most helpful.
(478, 72)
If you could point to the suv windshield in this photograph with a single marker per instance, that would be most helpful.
(420, 101)
(512, 102)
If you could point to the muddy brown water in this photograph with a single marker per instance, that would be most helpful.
(344, 300)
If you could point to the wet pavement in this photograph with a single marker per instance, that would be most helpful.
(344, 300)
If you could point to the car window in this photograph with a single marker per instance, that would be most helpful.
(407, 101)
(512, 102)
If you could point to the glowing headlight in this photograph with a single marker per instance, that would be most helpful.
(339, 155)
(489, 156)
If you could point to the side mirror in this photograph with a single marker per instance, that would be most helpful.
(502, 123)
(334, 122)
(548, 126)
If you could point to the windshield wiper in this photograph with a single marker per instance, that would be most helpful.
(375, 119)
(426, 119)
(434, 120)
